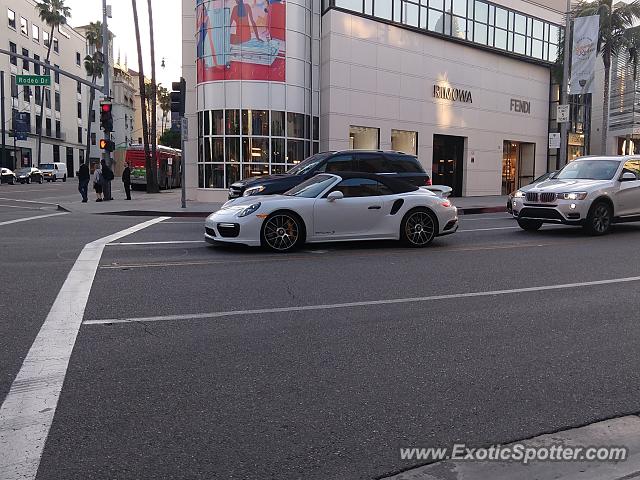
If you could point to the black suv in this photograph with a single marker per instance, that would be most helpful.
(396, 164)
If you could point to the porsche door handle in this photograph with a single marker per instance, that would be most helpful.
(374, 207)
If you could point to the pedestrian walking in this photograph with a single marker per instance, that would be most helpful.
(83, 181)
(97, 183)
(126, 179)
(107, 176)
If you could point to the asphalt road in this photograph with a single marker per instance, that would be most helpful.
(330, 392)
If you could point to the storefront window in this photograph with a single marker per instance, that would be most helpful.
(255, 122)
(404, 141)
(295, 151)
(255, 150)
(277, 124)
(295, 125)
(233, 122)
(277, 150)
(364, 138)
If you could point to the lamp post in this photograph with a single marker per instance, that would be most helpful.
(564, 97)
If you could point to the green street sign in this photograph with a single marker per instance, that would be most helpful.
(34, 80)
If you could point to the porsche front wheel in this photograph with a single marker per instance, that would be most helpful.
(418, 228)
(282, 232)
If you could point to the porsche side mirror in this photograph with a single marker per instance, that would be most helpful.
(628, 177)
(333, 196)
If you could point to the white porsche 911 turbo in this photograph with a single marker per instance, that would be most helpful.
(335, 208)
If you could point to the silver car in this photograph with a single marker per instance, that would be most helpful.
(593, 192)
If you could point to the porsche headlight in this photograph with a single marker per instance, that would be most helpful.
(520, 194)
(253, 191)
(249, 210)
(572, 196)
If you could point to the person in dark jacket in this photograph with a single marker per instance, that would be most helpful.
(83, 181)
(126, 179)
(107, 176)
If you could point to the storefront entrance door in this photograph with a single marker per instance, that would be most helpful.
(448, 162)
(518, 165)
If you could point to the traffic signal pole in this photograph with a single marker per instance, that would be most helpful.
(106, 155)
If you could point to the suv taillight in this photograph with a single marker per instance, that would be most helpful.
(428, 182)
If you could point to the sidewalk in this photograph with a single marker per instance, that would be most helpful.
(617, 432)
(167, 203)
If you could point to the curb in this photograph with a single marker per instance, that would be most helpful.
(480, 210)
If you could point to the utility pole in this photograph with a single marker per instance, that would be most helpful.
(106, 13)
(564, 97)
(4, 145)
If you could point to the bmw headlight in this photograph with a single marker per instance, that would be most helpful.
(572, 196)
(520, 194)
(249, 210)
(253, 191)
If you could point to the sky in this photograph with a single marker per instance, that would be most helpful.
(167, 23)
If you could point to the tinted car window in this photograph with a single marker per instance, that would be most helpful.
(361, 187)
(373, 163)
(313, 187)
(339, 163)
(405, 164)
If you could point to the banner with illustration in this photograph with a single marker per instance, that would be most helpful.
(241, 40)
(583, 54)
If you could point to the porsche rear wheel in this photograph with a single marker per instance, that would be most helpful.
(282, 232)
(418, 228)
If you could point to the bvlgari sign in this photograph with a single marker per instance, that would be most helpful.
(453, 94)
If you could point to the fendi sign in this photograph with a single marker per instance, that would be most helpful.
(453, 94)
(520, 106)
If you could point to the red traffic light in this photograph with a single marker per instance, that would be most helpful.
(106, 107)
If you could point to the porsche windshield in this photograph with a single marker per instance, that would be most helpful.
(313, 187)
(589, 170)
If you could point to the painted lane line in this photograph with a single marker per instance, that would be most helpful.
(27, 411)
(168, 242)
(27, 201)
(393, 301)
(37, 217)
(16, 206)
(487, 229)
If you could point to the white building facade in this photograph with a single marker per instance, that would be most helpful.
(64, 119)
(465, 85)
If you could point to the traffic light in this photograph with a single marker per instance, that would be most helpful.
(107, 145)
(178, 97)
(106, 117)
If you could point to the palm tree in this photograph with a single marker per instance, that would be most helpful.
(164, 97)
(615, 20)
(152, 181)
(54, 13)
(154, 92)
(94, 68)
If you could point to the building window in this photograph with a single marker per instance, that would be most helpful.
(26, 93)
(13, 48)
(404, 141)
(14, 87)
(93, 138)
(38, 94)
(24, 27)
(36, 66)
(57, 101)
(79, 88)
(364, 138)
(58, 129)
(48, 127)
(79, 110)
(92, 115)
(78, 59)
(38, 124)
(79, 134)
(35, 32)
(236, 144)
(11, 15)
(25, 63)
(56, 74)
(45, 37)
(56, 45)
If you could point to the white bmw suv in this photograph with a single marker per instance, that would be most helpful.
(594, 192)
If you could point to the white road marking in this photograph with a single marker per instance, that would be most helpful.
(28, 409)
(331, 306)
(177, 222)
(26, 201)
(37, 217)
(16, 206)
(168, 242)
(487, 229)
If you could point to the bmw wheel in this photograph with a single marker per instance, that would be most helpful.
(28, 180)
(529, 225)
(64, 179)
(282, 232)
(40, 180)
(599, 219)
(418, 228)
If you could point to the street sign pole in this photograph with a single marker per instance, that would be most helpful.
(184, 134)
(105, 73)
(564, 97)
(4, 124)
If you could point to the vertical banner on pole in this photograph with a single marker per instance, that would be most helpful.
(584, 52)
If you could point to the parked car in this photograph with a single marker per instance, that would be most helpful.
(592, 192)
(335, 207)
(7, 176)
(395, 164)
(54, 171)
(541, 178)
(28, 175)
